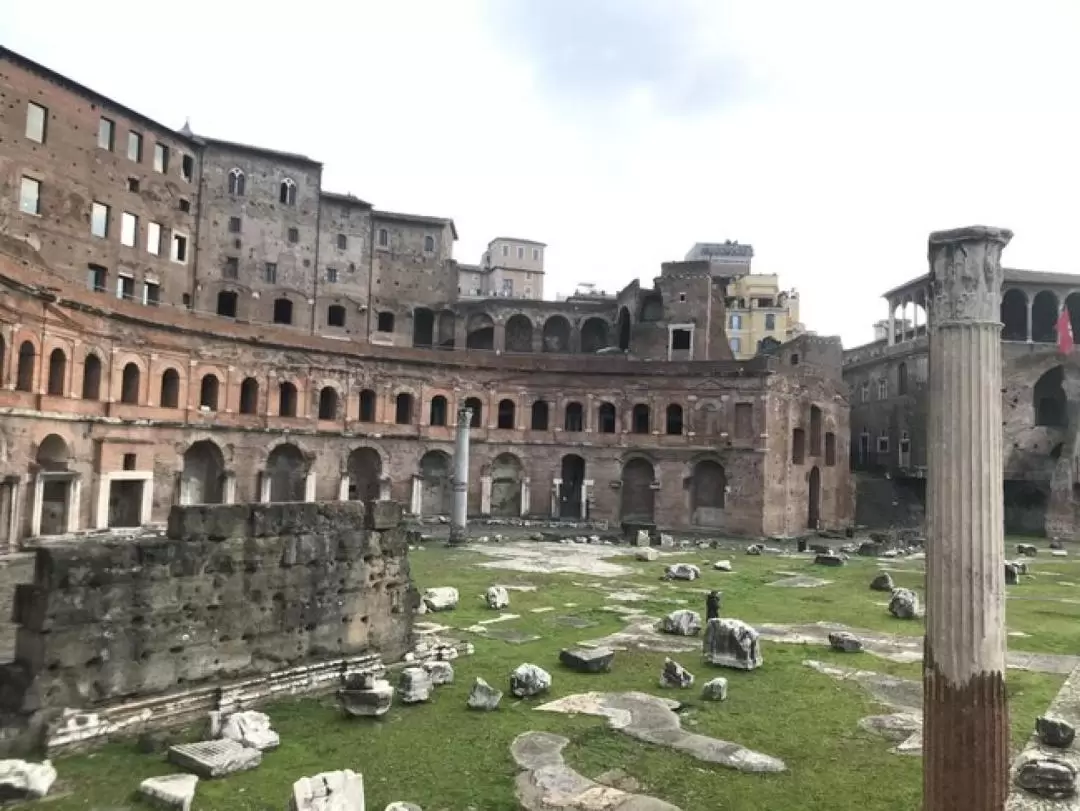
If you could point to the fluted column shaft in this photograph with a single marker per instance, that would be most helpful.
(965, 737)
(459, 511)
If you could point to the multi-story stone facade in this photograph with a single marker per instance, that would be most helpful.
(887, 380)
(316, 349)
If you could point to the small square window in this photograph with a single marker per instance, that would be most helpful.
(134, 148)
(133, 184)
(234, 225)
(682, 296)
(883, 443)
(36, 118)
(30, 196)
(185, 204)
(125, 288)
(331, 275)
(231, 270)
(129, 229)
(680, 339)
(342, 242)
(99, 220)
(151, 294)
(106, 133)
(97, 278)
(153, 238)
(129, 461)
(161, 158)
(294, 235)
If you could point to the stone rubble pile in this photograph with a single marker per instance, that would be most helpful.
(675, 675)
(483, 696)
(363, 695)
(497, 598)
(415, 685)
(529, 680)
(682, 622)
(329, 791)
(440, 672)
(22, 780)
(248, 728)
(904, 604)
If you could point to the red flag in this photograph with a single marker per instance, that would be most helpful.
(1064, 332)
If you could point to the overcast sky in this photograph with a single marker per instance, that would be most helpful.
(832, 135)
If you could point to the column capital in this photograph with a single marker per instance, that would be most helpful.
(966, 274)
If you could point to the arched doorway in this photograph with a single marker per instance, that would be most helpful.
(437, 492)
(480, 332)
(1014, 316)
(365, 470)
(813, 509)
(707, 493)
(573, 477)
(287, 470)
(53, 489)
(638, 496)
(203, 478)
(506, 486)
(519, 334)
(1044, 316)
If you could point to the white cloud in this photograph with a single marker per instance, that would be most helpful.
(832, 135)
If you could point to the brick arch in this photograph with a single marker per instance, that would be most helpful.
(119, 363)
(309, 455)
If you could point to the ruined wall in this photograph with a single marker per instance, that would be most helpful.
(231, 591)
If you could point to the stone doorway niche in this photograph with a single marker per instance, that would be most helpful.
(638, 497)
(364, 471)
(573, 477)
(423, 327)
(54, 510)
(437, 489)
(286, 470)
(813, 507)
(125, 500)
(708, 485)
(9, 489)
(506, 486)
(519, 334)
(203, 479)
(1025, 507)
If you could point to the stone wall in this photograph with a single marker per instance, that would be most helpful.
(229, 592)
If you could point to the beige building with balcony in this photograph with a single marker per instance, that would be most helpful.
(757, 309)
(510, 268)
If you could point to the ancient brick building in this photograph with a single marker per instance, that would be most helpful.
(888, 384)
(227, 330)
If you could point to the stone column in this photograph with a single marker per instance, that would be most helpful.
(485, 495)
(229, 489)
(891, 324)
(264, 487)
(965, 717)
(459, 527)
(343, 487)
(525, 496)
(309, 486)
(584, 508)
(384, 489)
(74, 502)
(556, 486)
(416, 500)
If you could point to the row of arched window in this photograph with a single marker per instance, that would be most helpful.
(238, 187)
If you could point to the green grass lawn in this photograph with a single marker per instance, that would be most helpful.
(442, 756)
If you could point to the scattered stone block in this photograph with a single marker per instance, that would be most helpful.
(722, 565)
(528, 680)
(250, 728)
(731, 643)
(415, 685)
(646, 553)
(588, 660)
(904, 604)
(682, 571)
(497, 597)
(755, 549)
(1047, 777)
(1021, 566)
(441, 598)
(683, 622)
(675, 675)
(715, 689)
(829, 560)
(365, 696)
(643, 538)
(211, 759)
(1012, 574)
(329, 791)
(172, 791)
(483, 696)
(1059, 553)
(845, 642)
(1027, 549)
(22, 780)
(440, 672)
(1054, 731)
(666, 541)
(882, 582)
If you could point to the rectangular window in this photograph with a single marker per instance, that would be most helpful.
(187, 167)
(234, 225)
(153, 238)
(129, 229)
(883, 443)
(736, 345)
(770, 321)
(384, 238)
(270, 274)
(680, 339)
(342, 242)
(536, 254)
(133, 184)
(506, 250)
(735, 321)
(99, 220)
(151, 294)
(882, 389)
(106, 133)
(232, 267)
(179, 248)
(36, 116)
(97, 278)
(125, 287)
(294, 235)
(161, 158)
(134, 150)
(331, 275)
(184, 204)
(30, 196)
(744, 420)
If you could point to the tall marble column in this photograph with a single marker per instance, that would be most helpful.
(459, 528)
(965, 717)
